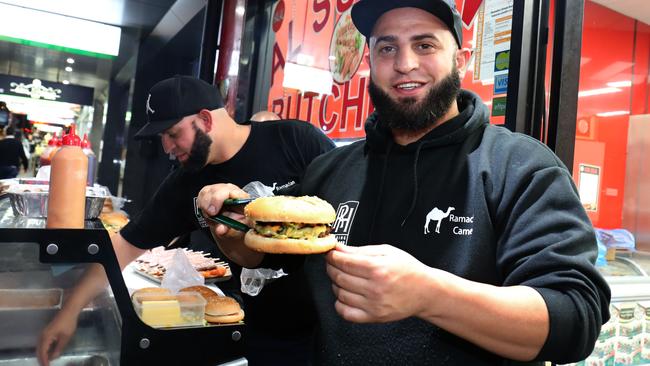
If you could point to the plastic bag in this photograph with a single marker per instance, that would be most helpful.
(616, 238)
(258, 189)
(253, 280)
(181, 273)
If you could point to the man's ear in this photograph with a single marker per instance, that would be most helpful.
(206, 116)
(463, 56)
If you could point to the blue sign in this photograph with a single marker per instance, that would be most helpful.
(501, 84)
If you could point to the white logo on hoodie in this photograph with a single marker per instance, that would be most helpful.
(436, 215)
(344, 218)
(462, 221)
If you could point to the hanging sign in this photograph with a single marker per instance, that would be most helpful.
(46, 90)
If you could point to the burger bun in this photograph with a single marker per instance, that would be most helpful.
(305, 209)
(223, 309)
(265, 244)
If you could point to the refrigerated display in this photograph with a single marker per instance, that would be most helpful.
(625, 339)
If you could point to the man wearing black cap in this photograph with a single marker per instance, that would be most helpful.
(461, 243)
(194, 127)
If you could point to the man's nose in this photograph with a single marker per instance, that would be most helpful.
(405, 61)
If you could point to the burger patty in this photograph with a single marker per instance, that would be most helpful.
(292, 230)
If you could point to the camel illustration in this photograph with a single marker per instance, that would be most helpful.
(436, 215)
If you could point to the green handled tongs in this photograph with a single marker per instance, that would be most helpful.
(232, 223)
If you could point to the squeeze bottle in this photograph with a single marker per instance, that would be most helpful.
(45, 155)
(92, 161)
(66, 202)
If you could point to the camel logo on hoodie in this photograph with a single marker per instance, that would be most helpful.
(437, 215)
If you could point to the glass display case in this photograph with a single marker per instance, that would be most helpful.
(39, 268)
(625, 339)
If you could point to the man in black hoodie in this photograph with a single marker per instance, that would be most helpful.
(461, 243)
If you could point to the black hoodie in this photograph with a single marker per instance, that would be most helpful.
(472, 199)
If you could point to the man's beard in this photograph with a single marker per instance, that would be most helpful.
(410, 115)
(199, 153)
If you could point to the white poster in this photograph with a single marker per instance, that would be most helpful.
(492, 35)
(589, 186)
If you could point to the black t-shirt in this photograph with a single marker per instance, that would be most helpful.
(12, 153)
(276, 154)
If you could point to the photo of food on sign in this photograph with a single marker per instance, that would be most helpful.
(346, 49)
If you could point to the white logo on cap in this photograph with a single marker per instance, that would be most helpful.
(149, 109)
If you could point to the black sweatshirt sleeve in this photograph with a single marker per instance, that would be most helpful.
(546, 241)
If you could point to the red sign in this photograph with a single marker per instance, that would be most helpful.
(319, 35)
(470, 8)
(278, 16)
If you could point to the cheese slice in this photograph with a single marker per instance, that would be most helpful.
(165, 313)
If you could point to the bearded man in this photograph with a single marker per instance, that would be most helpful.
(462, 243)
(189, 116)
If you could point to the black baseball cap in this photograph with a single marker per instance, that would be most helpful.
(173, 99)
(366, 12)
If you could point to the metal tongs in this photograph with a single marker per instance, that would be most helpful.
(232, 223)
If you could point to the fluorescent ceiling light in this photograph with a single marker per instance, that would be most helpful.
(307, 79)
(592, 92)
(70, 60)
(612, 113)
(41, 29)
(620, 84)
(68, 69)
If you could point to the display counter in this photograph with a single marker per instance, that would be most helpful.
(38, 269)
(625, 339)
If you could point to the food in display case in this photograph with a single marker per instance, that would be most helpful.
(30, 299)
(160, 309)
(154, 263)
(219, 309)
(113, 221)
(30, 200)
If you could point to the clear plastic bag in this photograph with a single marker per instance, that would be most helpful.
(616, 238)
(181, 273)
(258, 189)
(253, 280)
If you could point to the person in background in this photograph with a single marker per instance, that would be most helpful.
(189, 116)
(12, 155)
(263, 116)
(461, 243)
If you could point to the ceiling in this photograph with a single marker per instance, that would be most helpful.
(140, 16)
(637, 9)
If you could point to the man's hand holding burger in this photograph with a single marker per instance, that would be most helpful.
(230, 241)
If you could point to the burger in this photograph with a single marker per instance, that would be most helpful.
(223, 309)
(113, 221)
(290, 225)
(218, 309)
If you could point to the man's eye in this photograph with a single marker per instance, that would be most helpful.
(386, 49)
